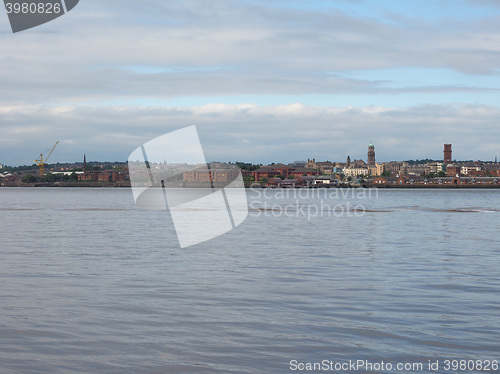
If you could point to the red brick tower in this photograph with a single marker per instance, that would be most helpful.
(447, 153)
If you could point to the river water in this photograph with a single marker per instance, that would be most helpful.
(91, 284)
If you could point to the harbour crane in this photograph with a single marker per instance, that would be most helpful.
(41, 162)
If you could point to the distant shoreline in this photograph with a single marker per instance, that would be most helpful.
(68, 185)
(126, 184)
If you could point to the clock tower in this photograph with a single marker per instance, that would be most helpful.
(371, 154)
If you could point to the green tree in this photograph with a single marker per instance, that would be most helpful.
(48, 178)
(51, 178)
(29, 178)
(386, 173)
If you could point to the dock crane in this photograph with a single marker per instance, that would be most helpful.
(41, 162)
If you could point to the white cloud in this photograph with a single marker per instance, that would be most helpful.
(106, 52)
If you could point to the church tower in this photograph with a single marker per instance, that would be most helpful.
(84, 162)
(371, 154)
(348, 162)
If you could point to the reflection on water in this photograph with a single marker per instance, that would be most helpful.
(91, 284)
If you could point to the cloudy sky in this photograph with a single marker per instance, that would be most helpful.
(263, 81)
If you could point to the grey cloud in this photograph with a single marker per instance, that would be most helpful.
(109, 84)
(265, 50)
(253, 133)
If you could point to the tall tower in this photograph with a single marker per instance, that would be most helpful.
(348, 162)
(371, 154)
(84, 162)
(447, 154)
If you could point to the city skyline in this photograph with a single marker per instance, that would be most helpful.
(313, 79)
(446, 159)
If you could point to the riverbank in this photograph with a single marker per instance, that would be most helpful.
(69, 184)
(126, 184)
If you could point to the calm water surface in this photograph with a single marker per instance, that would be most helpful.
(91, 284)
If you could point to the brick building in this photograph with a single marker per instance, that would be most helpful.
(88, 176)
(212, 175)
(102, 176)
(286, 171)
(453, 170)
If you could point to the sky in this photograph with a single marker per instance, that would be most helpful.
(263, 81)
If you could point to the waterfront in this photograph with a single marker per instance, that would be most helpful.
(90, 283)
